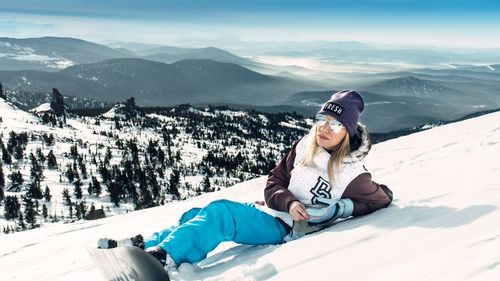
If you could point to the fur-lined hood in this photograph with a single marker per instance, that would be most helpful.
(360, 145)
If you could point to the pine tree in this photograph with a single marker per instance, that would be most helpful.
(2, 94)
(40, 156)
(96, 186)
(117, 123)
(73, 151)
(66, 197)
(78, 211)
(146, 198)
(51, 160)
(12, 142)
(57, 103)
(161, 157)
(70, 174)
(16, 181)
(48, 139)
(114, 193)
(134, 151)
(45, 118)
(153, 183)
(36, 171)
(160, 172)
(6, 158)
(46, 194)
(34, 190)
(83, 168)
(12, 207)
(71, 211)
(105, 175)
(20, 224)
(174, 183)
(92, 208)
(107, 156)
(206, 184)
(83, 206)
(45, 212)
(18, 152)
(2, 183)
(90, 188)
(78, 189)
(29, 210)
(130, 108)
(128, 170)
(151, 150)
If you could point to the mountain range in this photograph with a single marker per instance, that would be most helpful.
(437, 88)
(52, 53)
(159, 84)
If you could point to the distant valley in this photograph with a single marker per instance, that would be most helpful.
(402, 87)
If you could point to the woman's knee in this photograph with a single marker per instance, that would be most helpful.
(222, 207)
(189, 214)
(218, 204)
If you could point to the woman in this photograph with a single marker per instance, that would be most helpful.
(320, 180)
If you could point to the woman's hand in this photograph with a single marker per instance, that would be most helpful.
(262, 203)
(298, 211)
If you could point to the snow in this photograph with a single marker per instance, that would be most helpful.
(429, 126)
(382, 103)
(30, 55)
(44, 107)
(86, 133)
(480, 106)
(442, 225)
(490, 67)
(112, 112)
(14, 118)
(286, 124)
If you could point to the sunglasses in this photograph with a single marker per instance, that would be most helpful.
(335, 126)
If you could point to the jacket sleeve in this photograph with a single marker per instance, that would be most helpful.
(276, 193)
(367, 195)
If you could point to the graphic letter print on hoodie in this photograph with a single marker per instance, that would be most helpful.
(321, 189)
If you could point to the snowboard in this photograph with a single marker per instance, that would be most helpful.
(127, 263)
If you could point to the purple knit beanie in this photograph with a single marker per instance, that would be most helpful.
(345, 106)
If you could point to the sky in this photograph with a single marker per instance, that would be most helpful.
(446, 23)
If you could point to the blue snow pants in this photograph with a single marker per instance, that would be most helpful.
(200, 230)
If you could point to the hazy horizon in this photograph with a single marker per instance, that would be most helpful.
(445, 24)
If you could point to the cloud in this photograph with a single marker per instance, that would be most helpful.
(13, 28)
(179, 22)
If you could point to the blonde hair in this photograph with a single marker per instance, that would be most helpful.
(338, 154)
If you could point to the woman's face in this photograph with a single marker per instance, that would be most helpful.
(325, 136)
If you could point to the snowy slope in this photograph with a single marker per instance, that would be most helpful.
(443, 224)
(44, 107)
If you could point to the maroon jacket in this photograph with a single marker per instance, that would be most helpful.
(366, 195)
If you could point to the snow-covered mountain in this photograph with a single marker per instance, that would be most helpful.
(159, 84)
(44, 107)
(52, 53)
(55, 53)
(30, 100)
(442, 225)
